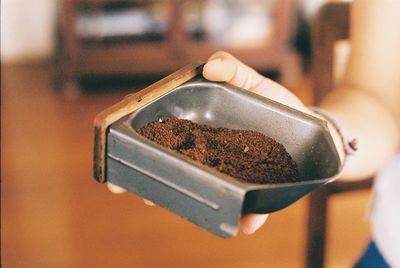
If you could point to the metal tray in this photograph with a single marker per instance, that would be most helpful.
(202, 195)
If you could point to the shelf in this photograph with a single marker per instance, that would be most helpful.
(133, 55)
(99, 3)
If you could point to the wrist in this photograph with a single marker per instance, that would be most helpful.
(343, 144)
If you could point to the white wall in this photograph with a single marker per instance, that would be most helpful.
(27, 29)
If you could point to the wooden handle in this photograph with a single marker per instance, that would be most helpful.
(129, 104)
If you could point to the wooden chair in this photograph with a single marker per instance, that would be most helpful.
(331, 24)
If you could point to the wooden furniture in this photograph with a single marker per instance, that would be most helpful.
(330, 25)
(75, 58)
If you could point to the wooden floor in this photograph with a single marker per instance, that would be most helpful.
(55, 215)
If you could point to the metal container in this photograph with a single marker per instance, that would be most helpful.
(204, 196)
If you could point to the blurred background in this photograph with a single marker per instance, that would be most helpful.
(62, 62)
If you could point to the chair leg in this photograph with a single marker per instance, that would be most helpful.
(316, 229)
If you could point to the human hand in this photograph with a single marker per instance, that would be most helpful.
(223, 67)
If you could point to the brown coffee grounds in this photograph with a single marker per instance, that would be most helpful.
(246, 155)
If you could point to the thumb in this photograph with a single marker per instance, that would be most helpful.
(223, 67)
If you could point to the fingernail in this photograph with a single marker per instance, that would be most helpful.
(215, 61)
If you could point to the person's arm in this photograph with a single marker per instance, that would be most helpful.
(367, 102)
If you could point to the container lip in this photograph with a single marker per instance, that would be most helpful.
(126, 121)
(257, 97)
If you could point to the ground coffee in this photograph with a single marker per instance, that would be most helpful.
(246, 155)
